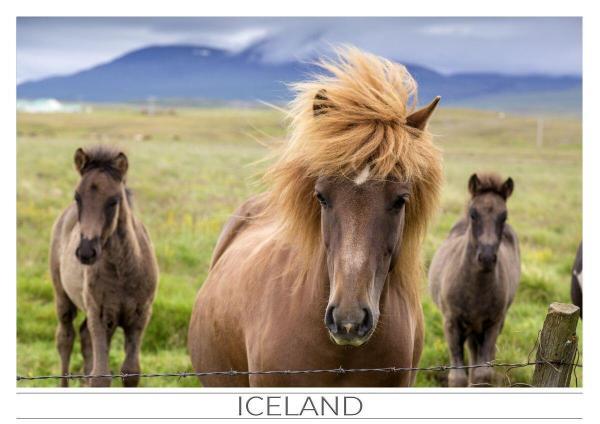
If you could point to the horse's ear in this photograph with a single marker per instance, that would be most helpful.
(419, 118)
(474, 184)
(507, 188)
(80, 160)
(121, 164)
(321, 103)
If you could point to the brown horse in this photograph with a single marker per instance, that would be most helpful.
(323, 269)
(474, 275)
(102, 262)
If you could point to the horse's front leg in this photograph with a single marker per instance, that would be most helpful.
(456, 341)
(86, 350)
(100, 335)
(65, 333)
(133, 344)
(486, 353)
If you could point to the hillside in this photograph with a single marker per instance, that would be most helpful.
(208, 74)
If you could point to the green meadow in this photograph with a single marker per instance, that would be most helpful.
(189, 170)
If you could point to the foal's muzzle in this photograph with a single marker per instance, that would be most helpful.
(487, 257)
(88, 251)
(346, 327)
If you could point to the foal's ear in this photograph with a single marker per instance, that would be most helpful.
(121, 164)
(321, 103)
(507, 188)
(419, 118)
(80, 160)
(474, 184)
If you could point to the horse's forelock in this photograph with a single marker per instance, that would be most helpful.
(488, 182)
(102, 157)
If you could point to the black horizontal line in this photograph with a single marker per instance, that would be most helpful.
(300, 418)
(133, 392)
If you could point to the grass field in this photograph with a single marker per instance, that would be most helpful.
(190, 170)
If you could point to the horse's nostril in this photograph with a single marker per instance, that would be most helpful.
(329, 320)
(367, 322)
(489, 259)
(92, 253)
(78, 252)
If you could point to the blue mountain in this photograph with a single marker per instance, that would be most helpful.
(204, 73)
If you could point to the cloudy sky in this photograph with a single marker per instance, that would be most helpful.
(55, 46)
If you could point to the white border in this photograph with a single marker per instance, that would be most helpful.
(11, 401)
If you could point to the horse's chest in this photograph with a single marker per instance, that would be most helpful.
(322, 353)
(113, 291)
(478, 307)
(282, 344)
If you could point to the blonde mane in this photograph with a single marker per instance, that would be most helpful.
(359, 120)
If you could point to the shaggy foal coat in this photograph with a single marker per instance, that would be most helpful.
(474, 276)
(102, 262)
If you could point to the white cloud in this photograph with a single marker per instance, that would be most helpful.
(452, 29)
(241, 39)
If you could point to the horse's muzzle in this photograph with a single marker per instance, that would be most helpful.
(88, 251)
(487, 257)
(352, 329)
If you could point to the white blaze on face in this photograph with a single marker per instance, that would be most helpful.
(353, 253)
(363, 176)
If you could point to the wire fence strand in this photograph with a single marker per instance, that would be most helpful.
(340, 370)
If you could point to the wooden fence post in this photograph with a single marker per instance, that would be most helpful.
(557, 347)
(539, 134)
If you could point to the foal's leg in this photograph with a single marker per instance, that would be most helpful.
(100, 342)
(456, 340)
(487, 353)
(86, 349)
(474, 342)
(133, 343)
(65, 333)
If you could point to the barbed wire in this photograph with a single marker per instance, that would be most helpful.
(509, 366)
(340, 370)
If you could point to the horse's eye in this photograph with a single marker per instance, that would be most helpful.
(399, 203)
(77, 197)
(112, 203)
(321, 199)
(473, 214)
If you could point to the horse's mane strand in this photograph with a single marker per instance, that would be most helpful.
(359, 119)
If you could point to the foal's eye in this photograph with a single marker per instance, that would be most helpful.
(321, 199)
(473, 214)
(399, 203)
(112, 203)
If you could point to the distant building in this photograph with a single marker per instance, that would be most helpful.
(49, 106)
